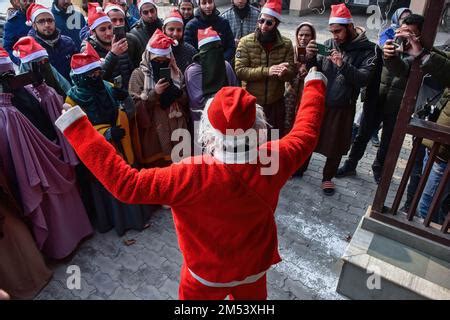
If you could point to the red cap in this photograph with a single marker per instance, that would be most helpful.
(86, 60)
(232, 108)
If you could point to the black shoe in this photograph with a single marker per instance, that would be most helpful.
(375, 141)
(376, 174)
(345, 171)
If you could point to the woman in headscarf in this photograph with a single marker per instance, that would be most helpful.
(160, 103)
(396, 21)
(304, 33)
(100, 101)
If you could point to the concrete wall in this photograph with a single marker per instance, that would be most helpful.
(300, 7)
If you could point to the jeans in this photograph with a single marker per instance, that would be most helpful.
(416, 174)
(431, 186)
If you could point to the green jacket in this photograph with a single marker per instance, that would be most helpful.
(252, 67)
(438, 65)
(393, 83)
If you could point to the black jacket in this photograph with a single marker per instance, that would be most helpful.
(138, 39)
(345, 83)
(113, 65)
(219, 24)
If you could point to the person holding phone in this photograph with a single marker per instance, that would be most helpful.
(304, 34)
(157, 88)
(109, 41)
(348, 68)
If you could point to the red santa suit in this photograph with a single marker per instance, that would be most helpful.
(223, 212)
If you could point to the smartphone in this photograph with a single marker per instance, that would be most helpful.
(323, 50)
(118, 82)
(119, 32)
(21, 80)
(301, 54)
(399, 44)
(164, 73)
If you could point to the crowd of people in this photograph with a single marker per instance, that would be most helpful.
(137, 79)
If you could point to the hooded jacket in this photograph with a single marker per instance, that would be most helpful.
(69, 23)
(345, 82)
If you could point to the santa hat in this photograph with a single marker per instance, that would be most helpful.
(5, 61)
(96, 16)
(85, 61)
(174, 16)
(232, 108)
(160, 44)
(34, 10)
(4, 56)
(27, 49)
(272, 8)
(142, 2)
(111, 6)
(207, 35)
(340, 14)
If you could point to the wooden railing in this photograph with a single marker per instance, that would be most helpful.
(420, 129)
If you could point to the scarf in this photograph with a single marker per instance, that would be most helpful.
(50, 40)
(214, 75)
(150, 69)
(95, 98)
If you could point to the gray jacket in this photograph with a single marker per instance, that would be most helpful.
(240, 27)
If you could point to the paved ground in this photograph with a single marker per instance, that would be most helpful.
(312, 231)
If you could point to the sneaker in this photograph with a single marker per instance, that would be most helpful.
(345, 171)
(375, 140)
(328, 188)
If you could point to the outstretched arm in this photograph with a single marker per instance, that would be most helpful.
(301, 141)
(148, 186)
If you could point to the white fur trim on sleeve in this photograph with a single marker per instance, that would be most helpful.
(315, 75)
(69, 117)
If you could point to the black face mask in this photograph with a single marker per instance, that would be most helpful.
(242, 13)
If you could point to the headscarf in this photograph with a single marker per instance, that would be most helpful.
(395, 20)
(95, 97)
(313, 30)
(214, 75)
(151, 68)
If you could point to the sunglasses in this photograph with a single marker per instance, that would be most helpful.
(146, 12)
(268, 22)
(48, 20)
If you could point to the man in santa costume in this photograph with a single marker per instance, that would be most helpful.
(222, 202)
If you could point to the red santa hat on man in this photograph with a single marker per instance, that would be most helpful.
(96, 16)
(142, 2)
(340, 14)
(232, 108)
(174, 16)
(272, 8)
(27, 49)
(207, 35)
(160, 44)
(110, 6)
(33, 11)
(85, 61)
(5, 61)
